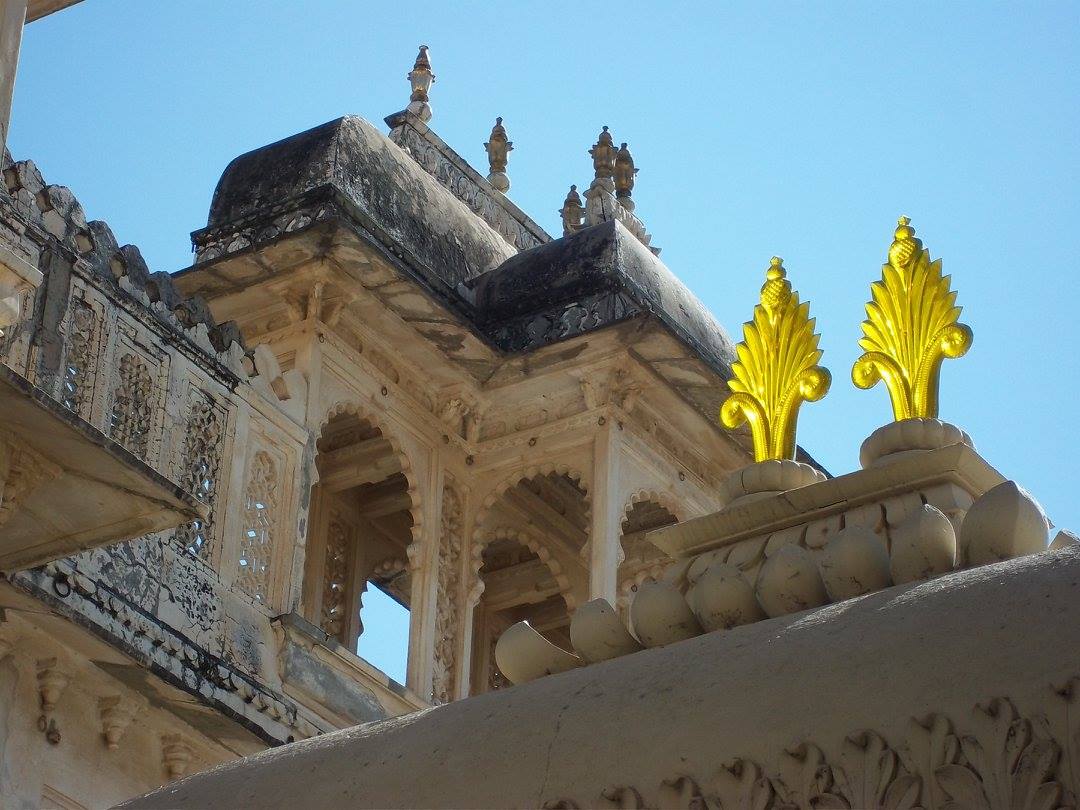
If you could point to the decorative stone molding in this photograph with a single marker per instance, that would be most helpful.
(1005, 761)
(22, 470)
(157, 646)
(52, 680)
(17, 276)
(767, 478)
(116, 713)
(896, 439)
(177, 754)
(475, 587)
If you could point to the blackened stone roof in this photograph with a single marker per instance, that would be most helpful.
(599, 275)
(349, 162)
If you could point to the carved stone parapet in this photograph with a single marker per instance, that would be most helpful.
(897, 439)
(767, 478)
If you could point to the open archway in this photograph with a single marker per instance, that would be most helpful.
(532, 566)
(360, 529)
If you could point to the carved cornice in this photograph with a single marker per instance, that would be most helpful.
(171, 656)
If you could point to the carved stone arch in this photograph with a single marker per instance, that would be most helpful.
(530, 541)
(669, 503)
(361, 411)
(575, 474)
(664, 499)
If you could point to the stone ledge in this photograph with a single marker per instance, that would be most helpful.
(765, 700)
(957, 464)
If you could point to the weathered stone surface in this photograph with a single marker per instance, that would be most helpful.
(812, 682)
(381, 188)
(586, 281)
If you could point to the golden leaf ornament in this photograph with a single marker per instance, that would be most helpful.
(777, 369)
(912, 324)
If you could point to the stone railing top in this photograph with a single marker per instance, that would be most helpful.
(467, 184)
(957, 464)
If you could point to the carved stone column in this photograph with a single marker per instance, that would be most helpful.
(606, 515)
(424, 560)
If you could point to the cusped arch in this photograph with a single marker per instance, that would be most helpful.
(527, 539)
(675, 508)
(575, 474)
(359, 410)
(660, 498)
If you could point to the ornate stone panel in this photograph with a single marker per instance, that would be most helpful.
(201, 468)
(336, 571)
(257, 537)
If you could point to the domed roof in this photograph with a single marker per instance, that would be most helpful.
(382, 189)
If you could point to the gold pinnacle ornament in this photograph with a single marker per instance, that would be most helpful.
(911, 326)
(777, 369)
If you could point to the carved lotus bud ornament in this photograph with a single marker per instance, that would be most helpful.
(923, 546)
(1004, 523)
(789, 581)
(854, 562)
(659, 615)
(722, 598)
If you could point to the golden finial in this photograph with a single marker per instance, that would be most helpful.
(421, 78)
(624, 177)
(603, 155)
(777, 368)
(571, 212)
(498, 149)
(911, 326)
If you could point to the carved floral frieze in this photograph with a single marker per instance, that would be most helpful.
(999, 761)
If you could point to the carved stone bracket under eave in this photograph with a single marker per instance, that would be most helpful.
(109, 494)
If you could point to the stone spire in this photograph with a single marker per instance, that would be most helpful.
(571, 212)
(498, 149)
(421, 78)
(624, 177)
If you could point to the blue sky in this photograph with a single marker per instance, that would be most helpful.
(795, 129)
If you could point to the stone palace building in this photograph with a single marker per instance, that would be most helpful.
(380, 373)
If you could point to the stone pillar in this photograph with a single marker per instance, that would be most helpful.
(424, 562)
(12, 19)
(606, 516)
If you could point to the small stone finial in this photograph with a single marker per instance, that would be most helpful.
(572, 212)
(603, 154)
(624, 177)
(498, 149)
(421, 78)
